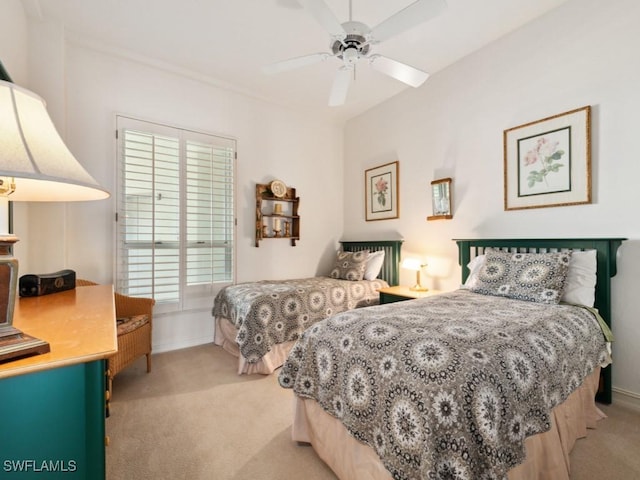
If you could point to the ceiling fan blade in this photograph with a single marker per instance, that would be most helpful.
(410, 16)
(324, 16)
(340, 87)
(296, 62)
(400, 71)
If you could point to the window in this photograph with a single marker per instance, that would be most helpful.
(176, 218)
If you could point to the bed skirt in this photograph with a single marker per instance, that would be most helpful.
(547, 453)
(225, 336)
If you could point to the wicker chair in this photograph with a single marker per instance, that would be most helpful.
(135, 343)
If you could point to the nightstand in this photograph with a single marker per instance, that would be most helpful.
(401, 293)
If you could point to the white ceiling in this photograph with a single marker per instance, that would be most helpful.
(227, 42)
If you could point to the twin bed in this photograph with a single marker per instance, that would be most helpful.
(260, 321)
(494, 380)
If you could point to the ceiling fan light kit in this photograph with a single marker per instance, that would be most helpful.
(352, 41)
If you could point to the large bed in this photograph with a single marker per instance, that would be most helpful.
(494, 380)
(259, 322)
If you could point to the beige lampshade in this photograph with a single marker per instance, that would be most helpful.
(412, 263)
(33, 155)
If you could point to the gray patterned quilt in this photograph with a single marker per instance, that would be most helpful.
(272, 312)
(449, 386)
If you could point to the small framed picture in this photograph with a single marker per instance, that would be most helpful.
(381, 192)
(547, 163)
(441, 199)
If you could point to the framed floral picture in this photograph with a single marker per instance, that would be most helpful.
(547, 163)
(381, 192)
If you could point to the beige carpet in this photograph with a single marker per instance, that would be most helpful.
(193, 418)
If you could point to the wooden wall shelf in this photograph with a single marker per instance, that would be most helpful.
(277, 217)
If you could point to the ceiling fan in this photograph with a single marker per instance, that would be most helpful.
(352, 41)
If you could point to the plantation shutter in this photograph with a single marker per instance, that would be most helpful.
(176, 221)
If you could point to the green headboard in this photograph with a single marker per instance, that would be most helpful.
(606, 263)
(390, 271)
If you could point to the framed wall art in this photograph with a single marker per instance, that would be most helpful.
(441, 199)
(381, 195)
(547, 163)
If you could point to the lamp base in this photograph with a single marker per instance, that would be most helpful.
(8, 281)
(21, 345)
(13, 343)
(419, 288)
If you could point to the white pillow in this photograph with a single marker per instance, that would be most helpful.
(580, 285)
(374, 265)
(474, 267)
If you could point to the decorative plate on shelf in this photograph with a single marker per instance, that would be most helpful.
(278, 188)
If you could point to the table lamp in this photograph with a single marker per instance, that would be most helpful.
(35, 165)
(417, 265)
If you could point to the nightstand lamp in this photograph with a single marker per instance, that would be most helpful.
(417, 265)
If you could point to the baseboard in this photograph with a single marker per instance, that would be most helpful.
(627, 399)
(184, 343)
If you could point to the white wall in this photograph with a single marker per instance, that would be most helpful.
(90, 84)
(584, 53)
(14, 51)
(13, 40)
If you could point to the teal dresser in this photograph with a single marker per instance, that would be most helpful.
(52, 406)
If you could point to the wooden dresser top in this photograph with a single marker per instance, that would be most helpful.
(79, 325)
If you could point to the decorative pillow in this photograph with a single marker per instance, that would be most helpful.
(350, 265)
(129, 324)
(534, 277)
(374, 265)
(580, 285)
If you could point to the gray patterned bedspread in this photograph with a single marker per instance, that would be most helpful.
(277, 311)
(446, 387)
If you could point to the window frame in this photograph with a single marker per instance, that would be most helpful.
(190, 297)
